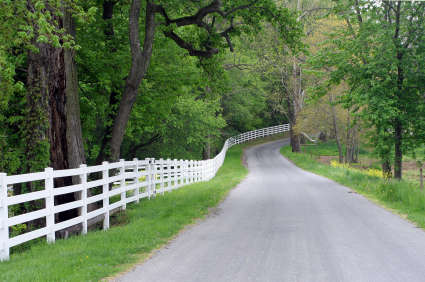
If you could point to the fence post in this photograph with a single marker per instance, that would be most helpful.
(174, 171)
(186, 172)
(83, 181)
(180, 175)
(192, 171)
(50, 205)
(148, 171)
(4, 214)
(194, 167)
(122, 184)
(136, 179)
(189, 170)
(161, 175)
(105, 191)
(168, 162)
(199, 171)
(154, 177)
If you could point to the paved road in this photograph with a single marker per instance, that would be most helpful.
(284, 224)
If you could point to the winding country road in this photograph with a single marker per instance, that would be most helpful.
(284, 224)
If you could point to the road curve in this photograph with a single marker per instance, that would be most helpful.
(285, 224)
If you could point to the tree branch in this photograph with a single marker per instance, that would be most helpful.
(198, 20)
(153, 139)
(208, 53)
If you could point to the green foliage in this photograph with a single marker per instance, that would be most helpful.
(186, 105)
(380, 60)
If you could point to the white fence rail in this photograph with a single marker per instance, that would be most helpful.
(131, 180)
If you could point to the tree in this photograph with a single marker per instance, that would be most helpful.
(377, 52)
(212, 22)
(41, 42)
(281, 67)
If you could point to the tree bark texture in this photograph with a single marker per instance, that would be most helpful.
(74, 134)
(398, 154)
(53, 95)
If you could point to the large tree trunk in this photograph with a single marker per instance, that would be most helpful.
(36, 131)
(52, 94)
(74, 134)
(140, 60)
(37, 127)
(293, 105)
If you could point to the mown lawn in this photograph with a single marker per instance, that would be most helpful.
(403, 197)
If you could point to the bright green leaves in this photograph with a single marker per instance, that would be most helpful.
(378, 57)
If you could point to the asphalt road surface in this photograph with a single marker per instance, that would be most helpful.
(285, 224)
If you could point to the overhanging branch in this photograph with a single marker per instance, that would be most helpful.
(215, 7)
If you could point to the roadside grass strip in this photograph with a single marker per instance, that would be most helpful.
(402, 197)
(141, 229)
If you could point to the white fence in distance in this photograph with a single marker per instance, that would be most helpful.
(135, 180)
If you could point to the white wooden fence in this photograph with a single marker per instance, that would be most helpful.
(132, 180)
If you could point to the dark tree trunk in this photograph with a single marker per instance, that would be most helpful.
(206, 151)
(108, 13)
(398, 128)
(52, 94)
(398, 156)
(36, 131)
(295, 141)
(57, 100)
(386, 169)
(37, 127)
(140, 60)
(335, 129)
(59, 150)
(323, 136)
(351, 146)
(104, 150)
(74, 134)
(293, 135)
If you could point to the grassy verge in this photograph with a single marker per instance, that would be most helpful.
(399, 196)
(144, 228)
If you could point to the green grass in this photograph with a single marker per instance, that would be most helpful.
(150, 225)
(321, 149)
(328, 148)
(400, 196)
